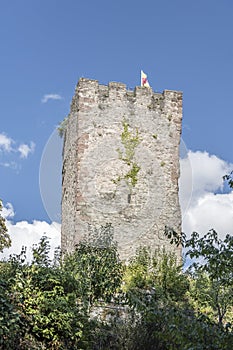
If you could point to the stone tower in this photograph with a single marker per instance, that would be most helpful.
(121, 165)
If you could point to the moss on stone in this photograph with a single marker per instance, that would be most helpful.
(129, 141)
(62, 127)
(132, 176)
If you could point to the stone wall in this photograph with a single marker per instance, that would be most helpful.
(121, 165)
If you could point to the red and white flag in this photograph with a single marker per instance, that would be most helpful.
(144, 80)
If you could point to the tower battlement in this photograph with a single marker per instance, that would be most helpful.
(121, 164)
(92, 92)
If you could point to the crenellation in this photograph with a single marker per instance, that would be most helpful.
(115, 86)
(143, 95)
(104, 180)
(103, 92)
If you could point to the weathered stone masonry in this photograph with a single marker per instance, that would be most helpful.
(121, 165)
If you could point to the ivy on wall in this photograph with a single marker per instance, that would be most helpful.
(129, 142)
(61, 128)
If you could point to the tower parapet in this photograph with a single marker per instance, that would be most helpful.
(121, 165)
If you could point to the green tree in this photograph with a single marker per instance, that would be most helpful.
(62, 127)
(12, 323)
(154, 276)
(164, 315)
(47, 304)
(46, 314)
(211, 270)
(229, 179)
(95, 267)
(5, 241)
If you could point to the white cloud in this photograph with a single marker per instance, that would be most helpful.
(5, 143)
(48, 97)
(11, 151)
(203, 208)
(25, 149)
(208, 171)
(11, 165)
(8, 211)
(211, 211)
(26, 234)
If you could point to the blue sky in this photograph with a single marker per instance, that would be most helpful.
(46, 46)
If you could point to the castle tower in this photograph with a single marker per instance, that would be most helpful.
(121, 165)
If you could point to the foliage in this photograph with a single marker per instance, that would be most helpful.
(150, 303)
(62, 127)
(5, 241)
(211, 270)
(154, 276)
(50, 316)
(95, 266)
(130, 142)
(11, 322)
(229, 179)
(131, 176)
(160, 315)
(11, 319)
(176, 327)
